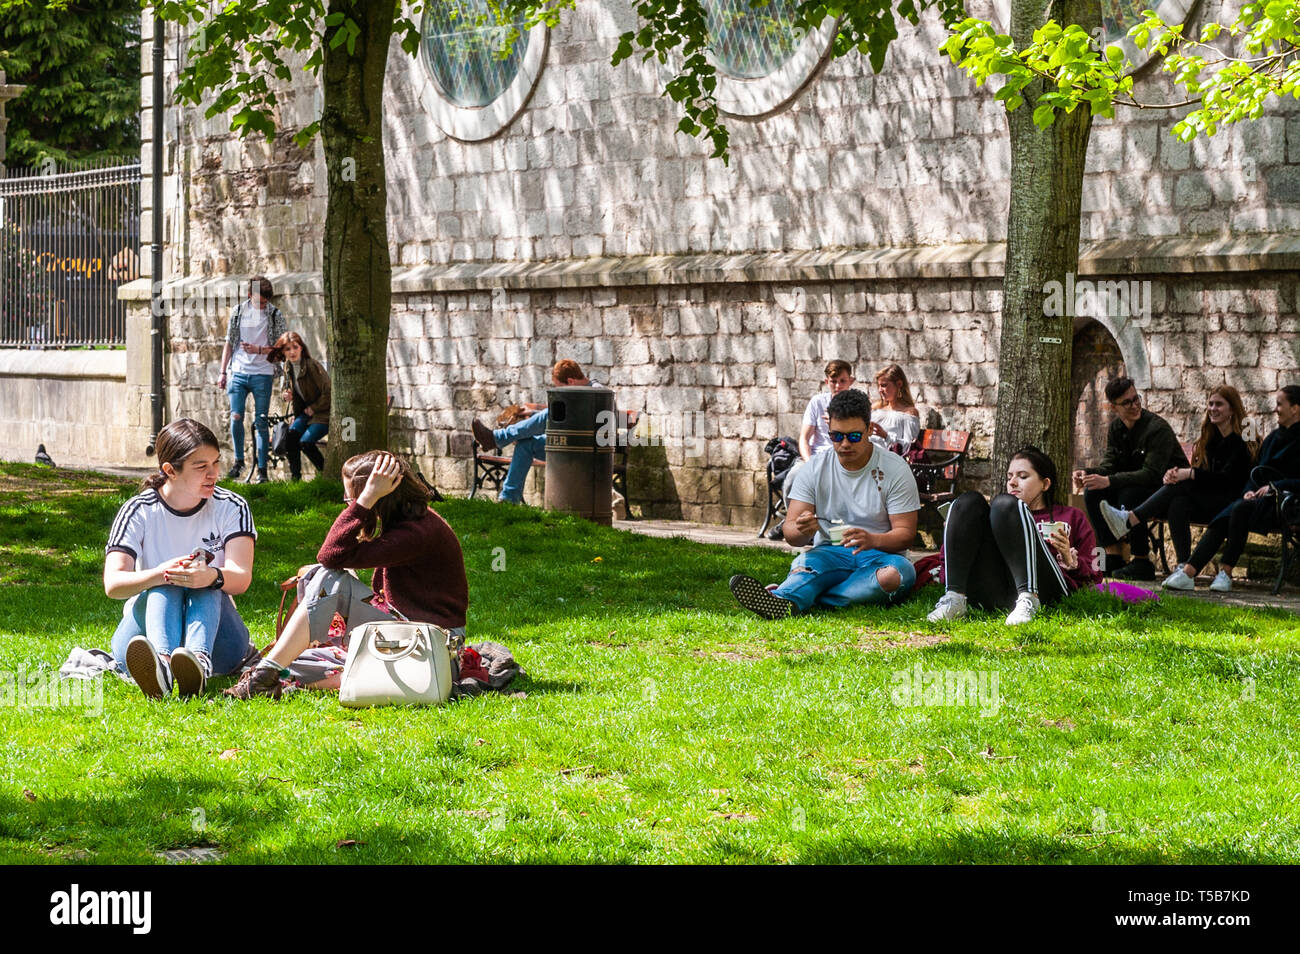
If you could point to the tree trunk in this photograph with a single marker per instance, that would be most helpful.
(357, 270)
(1042, 247)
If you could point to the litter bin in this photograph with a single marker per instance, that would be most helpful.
(581, 434)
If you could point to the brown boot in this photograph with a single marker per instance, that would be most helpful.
(484, 436)
(258, 681)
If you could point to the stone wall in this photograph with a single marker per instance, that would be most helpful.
(864, 220)
(77, 403)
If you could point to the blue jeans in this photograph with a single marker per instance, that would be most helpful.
(238, 388)
(835, 576)
(303, 435)
(227, 642)
(529, 438)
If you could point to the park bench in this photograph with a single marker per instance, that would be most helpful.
(490, 469)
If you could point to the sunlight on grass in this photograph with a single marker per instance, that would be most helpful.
(660, 722)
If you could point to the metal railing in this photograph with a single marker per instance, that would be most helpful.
(68, 239)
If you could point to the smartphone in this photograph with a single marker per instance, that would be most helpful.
(200, 558)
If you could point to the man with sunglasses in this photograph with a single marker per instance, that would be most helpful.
(1140, 447)
(858, 507)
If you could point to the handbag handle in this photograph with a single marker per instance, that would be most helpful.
(417, 638)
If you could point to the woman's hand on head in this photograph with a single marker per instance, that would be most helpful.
(383, 480)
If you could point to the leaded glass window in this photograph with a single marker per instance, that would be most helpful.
(751, 43)
(462, 52)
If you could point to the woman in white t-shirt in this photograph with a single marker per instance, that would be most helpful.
(176, 553)
(895, 421)
(254, 326)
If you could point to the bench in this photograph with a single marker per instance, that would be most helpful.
(490, 469)
(936, 459)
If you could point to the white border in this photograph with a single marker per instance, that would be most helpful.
(477, 123)
(765, 94)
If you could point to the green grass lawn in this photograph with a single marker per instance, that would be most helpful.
(661, 723)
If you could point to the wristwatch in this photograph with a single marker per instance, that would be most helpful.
(219, 582)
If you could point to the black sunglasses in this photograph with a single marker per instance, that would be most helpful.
(853, 436)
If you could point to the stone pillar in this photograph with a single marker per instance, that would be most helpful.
(8, 91)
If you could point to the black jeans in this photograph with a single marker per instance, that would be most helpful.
(993, 551)
(1128, 498)
(1181, 506)
(1245, 517)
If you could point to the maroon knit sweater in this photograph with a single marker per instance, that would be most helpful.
(418, 563)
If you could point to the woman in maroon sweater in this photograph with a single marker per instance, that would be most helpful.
(387, 525)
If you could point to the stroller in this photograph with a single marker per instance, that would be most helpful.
(782, 454)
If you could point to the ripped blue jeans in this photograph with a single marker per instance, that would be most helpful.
(834, 576)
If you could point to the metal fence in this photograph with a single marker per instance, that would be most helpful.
(68, 239)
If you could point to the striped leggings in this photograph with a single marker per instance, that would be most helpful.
(993, 551)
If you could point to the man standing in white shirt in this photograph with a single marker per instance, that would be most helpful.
(255, 325)
(859, 507)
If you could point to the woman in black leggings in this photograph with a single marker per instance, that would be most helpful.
(1221, 463)
(1018, 551)
(1255, 511)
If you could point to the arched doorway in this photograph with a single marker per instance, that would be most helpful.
(1096, 359)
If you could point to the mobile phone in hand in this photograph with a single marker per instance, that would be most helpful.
(200, 558)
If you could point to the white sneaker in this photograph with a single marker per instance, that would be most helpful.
(148, 670)
(1116, 519)
(1221, 583)
(950, 606)
(1179, 580)
(1025, 609)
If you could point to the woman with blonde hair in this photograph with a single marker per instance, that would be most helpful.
(387, 525)
(1220, 467)
(895, 421)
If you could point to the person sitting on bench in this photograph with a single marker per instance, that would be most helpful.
(859, 506)
(1221, 462)
(1256, 510)
(1140, 449)
(528, 435)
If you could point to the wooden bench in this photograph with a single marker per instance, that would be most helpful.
(490, 469)
(936, 460)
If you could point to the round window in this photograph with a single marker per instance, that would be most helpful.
(476, 87)
(762, 61)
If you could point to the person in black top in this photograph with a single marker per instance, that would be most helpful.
(1220, 467)
(1140, 449)
(1255, 511)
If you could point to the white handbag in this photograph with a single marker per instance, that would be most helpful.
(397, 663)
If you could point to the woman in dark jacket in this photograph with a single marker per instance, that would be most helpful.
(1255, 510)
(1221, 463)
(307, 386)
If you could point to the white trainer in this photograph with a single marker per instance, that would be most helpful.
(1026, 608)
(1222, 583)
(950, 606)
(1179, 580)
(1116, 519)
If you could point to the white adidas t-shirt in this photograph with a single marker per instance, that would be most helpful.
(154, 533)
(857, 498)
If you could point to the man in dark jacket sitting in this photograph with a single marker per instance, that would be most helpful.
(1140, 447)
